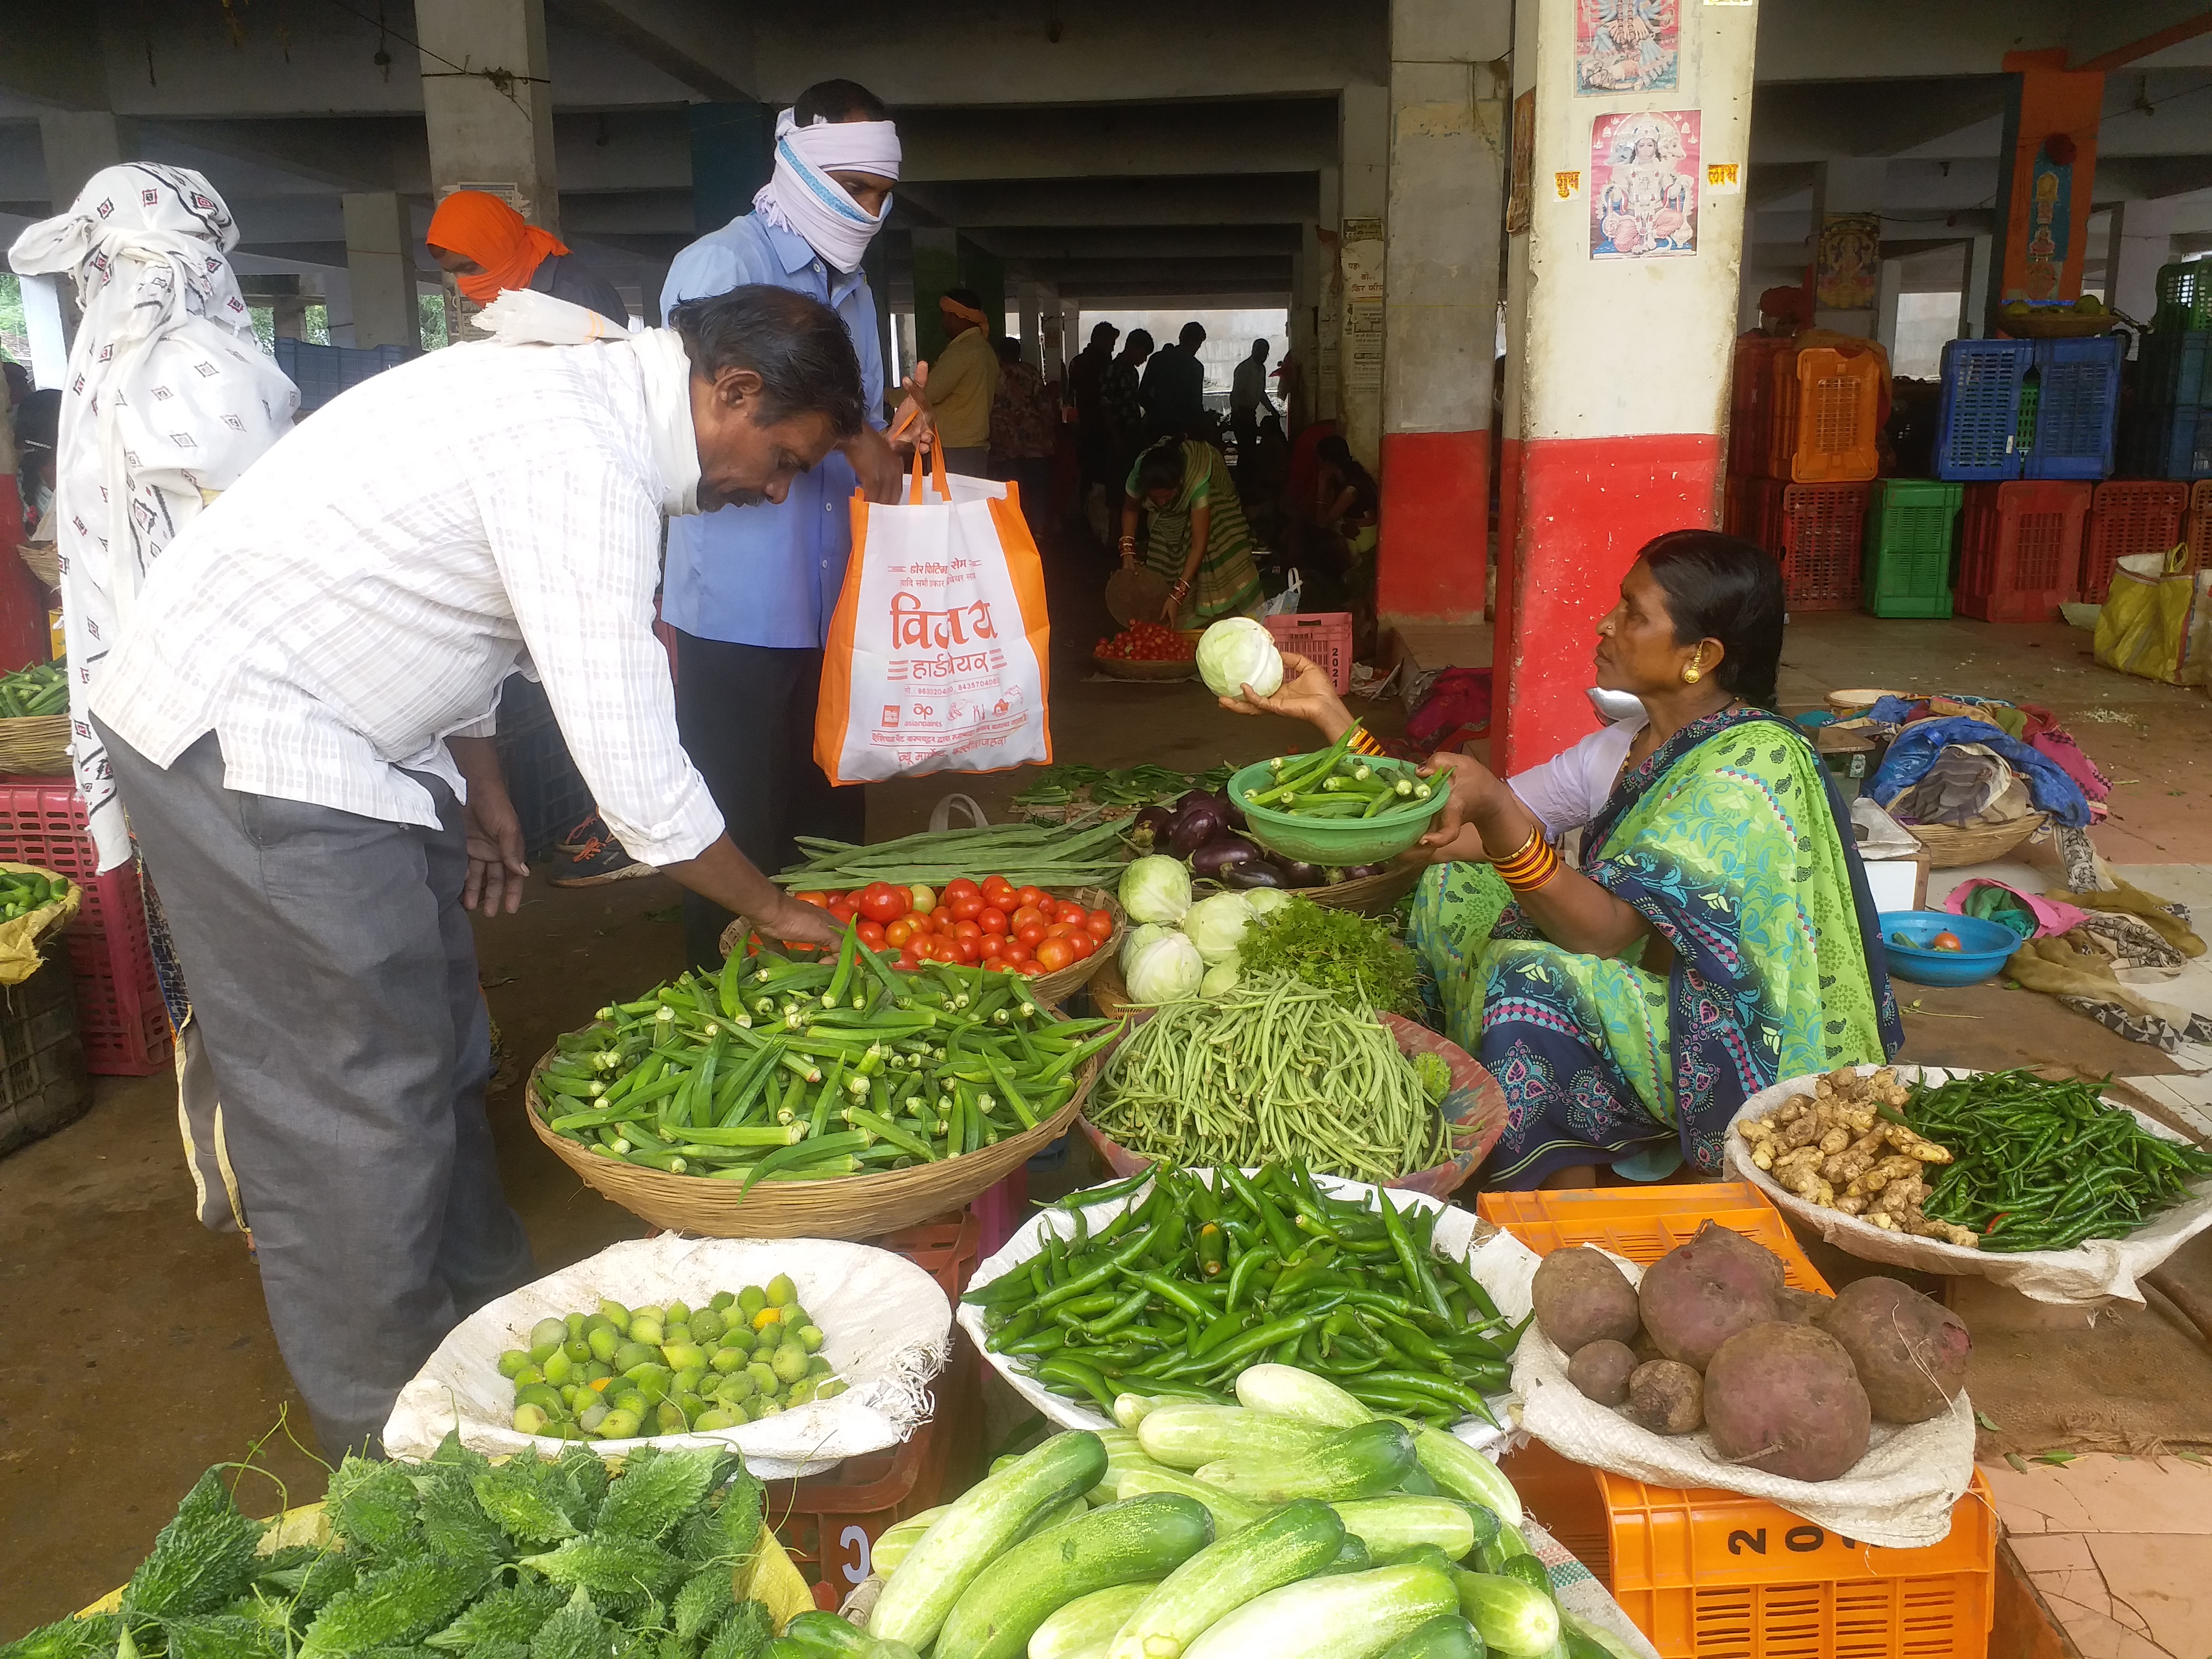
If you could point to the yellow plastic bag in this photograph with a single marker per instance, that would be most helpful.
(2157, 622)
(19, 938)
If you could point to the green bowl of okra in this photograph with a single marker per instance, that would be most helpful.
(1368, 827)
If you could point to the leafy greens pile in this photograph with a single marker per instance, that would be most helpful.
(532, 1559)
(1340, 951)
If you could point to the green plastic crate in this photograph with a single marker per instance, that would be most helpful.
(1912, 532)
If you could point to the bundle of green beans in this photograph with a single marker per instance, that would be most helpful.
(1336, 783)
(780, 1070)
(1134, 785)
(41, 689)
(1275, 1069)
(1058, 856)
(2042, 1165)
(1183, 1291)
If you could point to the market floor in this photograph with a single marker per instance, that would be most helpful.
(138, 1351)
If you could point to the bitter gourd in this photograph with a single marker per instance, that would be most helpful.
(513, 1614)
(705, 1598)
(524, 1496)
(393, 1607)
(372, 1507)
(222, 1636)
(610, 1566)
(743, 1634)
(201, 1560)
(576, 1632)
(653, 1494)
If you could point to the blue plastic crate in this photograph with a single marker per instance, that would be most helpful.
(2167, 442)
(2170, 370)
(2076, 413)
(1978, 421)
(322, 372)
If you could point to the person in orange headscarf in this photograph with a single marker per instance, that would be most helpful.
(489, 246)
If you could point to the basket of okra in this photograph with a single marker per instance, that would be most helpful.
(34, 725)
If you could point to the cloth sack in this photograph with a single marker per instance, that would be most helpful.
(887, 1327)
(938, 649)
(2039, 917)
(2157, 620)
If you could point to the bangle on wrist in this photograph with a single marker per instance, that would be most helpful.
(1529, 868)
(1363, 743)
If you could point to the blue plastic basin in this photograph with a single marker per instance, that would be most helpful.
(1985, 946)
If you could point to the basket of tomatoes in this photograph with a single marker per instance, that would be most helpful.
(1146, 651)
(1057, 940)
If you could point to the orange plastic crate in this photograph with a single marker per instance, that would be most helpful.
(1643, 1223)
(1820, 541)
(2129, 516)
(2021, 550)
(1834, 417)
(1714, 1575)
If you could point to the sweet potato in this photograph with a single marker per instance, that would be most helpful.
(1784, 1398)
(1910, 1351)
(1581, 1298)
(1667, 1397)
(1601, 1370)
(1700, 1294)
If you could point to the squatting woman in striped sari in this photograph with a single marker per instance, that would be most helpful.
(1200, 541)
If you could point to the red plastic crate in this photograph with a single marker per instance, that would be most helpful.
(1821, 533)
(946, 1247)
(120, 1013)
(1751, 403)
(1320, 636)
(2129, 516)
(2021, 550)
(2196, 532)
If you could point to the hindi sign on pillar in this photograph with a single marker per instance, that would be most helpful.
(1361, 260)
(939, 648)
(1643, 185)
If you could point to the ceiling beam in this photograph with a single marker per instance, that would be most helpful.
(1269, 200)
(944, 145)
(708, 45)
(2119, 56)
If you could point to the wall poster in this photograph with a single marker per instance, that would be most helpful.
(1626, 45)
(2049, 221)
(1643, 185)
(1847, 262)
(1360, 259)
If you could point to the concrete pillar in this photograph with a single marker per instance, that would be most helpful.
(1329, 317)
(1305, 324)
(1888, 288)
(1449, 64)
(49, 321)
(1846, 249)
(2141, 241)
(2047, 169)
(380, 270)
(1608, 458)
(77, 143)
(1365, 146)
(1974, 289)
(489, 119)
(733, 154)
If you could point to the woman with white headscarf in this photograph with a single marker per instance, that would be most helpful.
(168, 399)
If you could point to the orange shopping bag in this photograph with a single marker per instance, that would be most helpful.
(939, 647)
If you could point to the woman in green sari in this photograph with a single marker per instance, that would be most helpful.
(1199, 541)
(1717, 934)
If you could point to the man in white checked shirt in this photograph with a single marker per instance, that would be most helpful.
(299, 716)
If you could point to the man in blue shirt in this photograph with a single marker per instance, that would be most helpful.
(750, 592)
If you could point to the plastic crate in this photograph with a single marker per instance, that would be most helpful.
(2196, 528)
(1714, 1575)
(1643, 1223)
(121, 1018)
(946, 1248)
(1830, 417)
(42, 1083)
(1819, 542)
(322, 372)
(2021, 550)
(1977, 416)
(2161, 441)
(2171, 367)
(1319, 636)
(1751, 401)
(2185, 297)
(550, 794)
(2128, 516)
(2077, 403)
(1911, 531)
(1759, 512)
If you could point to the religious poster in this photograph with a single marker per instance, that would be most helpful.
(1643, 185)
(1523, 186)
(1626, 45)
(1847, 262)
(2050, 214)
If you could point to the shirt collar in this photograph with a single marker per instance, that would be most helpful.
(798, 254)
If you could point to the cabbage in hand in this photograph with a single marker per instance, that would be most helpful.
(1237, 651)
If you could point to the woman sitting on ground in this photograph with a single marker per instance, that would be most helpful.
(1199, 540)
(1717, 934)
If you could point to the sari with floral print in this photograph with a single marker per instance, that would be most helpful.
(1726, 839)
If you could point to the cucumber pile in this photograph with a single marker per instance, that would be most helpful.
(618, 1372)
(1295, 1525)
(41, 689)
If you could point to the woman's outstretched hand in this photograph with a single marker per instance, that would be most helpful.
(1306, 694)
(1454, 838)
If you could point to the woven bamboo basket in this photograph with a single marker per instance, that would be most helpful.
(45, 559)
(35, 745)
(858, 1207)
(1135, 668)
(1950, 846)
(1371, 896)
(1050, 988)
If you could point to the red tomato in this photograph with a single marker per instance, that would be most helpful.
(1032, 935)
(966, 949)
(918, 922)
(998, 888)
(908, 956)
(1035, 896)
(1032, 968)
(967, 930)
(872, 935)
(1058, 929)
(992, 948)
(1083, 943)
(1069, 911)
(1018, 952)
(1054, 954)
(1023, 916)
(880, 902)
(819, 900)
(899, 934)
(842, 911)
(935, 950)
(960, 889)
(992, 920)
(965, 909)
(1099, 924)
(1001, 965)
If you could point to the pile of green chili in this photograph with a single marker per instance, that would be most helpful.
(1072, 782)
(780, 1070)
(2042, 1165)
(1184, 1290)
(1274, 1070)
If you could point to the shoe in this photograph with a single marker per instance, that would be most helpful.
(583, 829)
(599, 861)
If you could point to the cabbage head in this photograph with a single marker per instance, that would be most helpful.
(1217, 925)
(1156, 889)
(1168, 970)
(1237, 651)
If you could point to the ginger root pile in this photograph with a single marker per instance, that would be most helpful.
(1833, 1147)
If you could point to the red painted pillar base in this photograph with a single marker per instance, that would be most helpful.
(25, 635)
(1587, 506)
(1435, 542)
(1508, 529)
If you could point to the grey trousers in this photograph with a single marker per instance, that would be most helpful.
(334, 980)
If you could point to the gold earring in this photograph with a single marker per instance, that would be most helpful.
(1691, 676)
